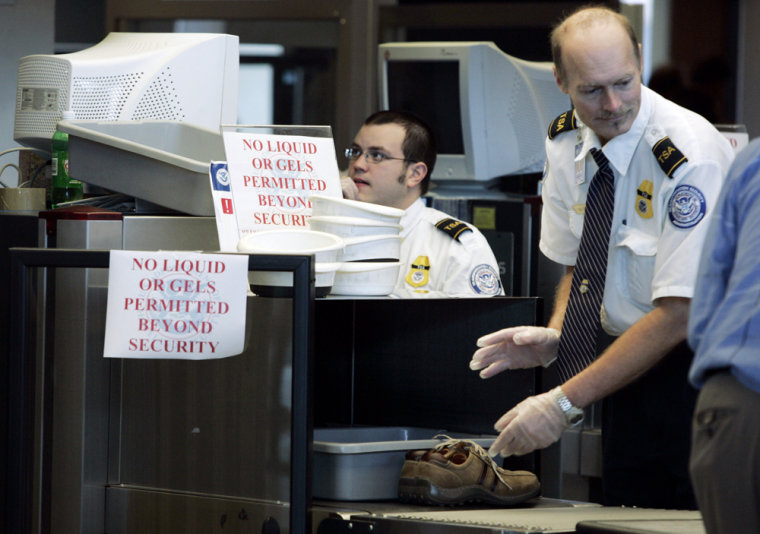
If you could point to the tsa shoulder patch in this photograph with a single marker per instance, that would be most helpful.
(668, 156)
(484, 280)
(687, 206)
(452, 227)
(563, 123)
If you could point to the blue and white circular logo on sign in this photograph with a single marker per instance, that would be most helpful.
(687, 206)
(223, 176)
(485, 280)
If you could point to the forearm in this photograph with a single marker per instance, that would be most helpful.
(632, 354)
(561, 297)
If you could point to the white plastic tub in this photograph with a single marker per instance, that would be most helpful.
(366, 278)
(325, 247)
(352, 226)
(364, 463)
(372, 247)
(343, 207)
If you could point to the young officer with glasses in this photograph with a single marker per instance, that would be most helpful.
(389, 163)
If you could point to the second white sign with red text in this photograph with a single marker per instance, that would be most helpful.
(272, 177)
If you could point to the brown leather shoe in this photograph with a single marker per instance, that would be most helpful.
(458, 472)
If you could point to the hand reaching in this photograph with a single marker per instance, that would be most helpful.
(535, 423)
(519, 347)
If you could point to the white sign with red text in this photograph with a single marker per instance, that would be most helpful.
(737, 140)
(175, 305)
(272, 177)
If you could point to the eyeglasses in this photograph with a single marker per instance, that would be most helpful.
(373, 156)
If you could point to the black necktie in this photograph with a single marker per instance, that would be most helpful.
(577, 345)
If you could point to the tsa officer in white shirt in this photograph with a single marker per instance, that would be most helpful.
(667, 166)
(390, 163)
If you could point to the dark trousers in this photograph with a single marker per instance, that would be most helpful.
(725, 458)
(646, 433)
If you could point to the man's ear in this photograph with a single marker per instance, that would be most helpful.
(415, 173)
(558, 79)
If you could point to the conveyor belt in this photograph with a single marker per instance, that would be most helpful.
(541, 515)
(553, 520)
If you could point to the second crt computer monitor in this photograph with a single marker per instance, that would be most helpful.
(490, 112)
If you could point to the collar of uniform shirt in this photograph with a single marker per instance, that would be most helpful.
(620, 150)
(411, 215)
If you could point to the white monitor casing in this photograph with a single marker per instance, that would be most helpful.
(185, 77)
(506, 106)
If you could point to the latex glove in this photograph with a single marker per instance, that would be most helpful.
(535, 423)
(350, 191)
(519, 347)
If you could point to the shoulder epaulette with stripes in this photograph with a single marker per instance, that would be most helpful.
(452, 227)
(668, 156)
(563, 123)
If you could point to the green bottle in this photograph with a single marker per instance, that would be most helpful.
(64, 188)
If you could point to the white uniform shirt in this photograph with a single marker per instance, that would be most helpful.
(436, 264)
(659, 222)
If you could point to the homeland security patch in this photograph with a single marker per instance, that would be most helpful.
(485, 280)
(687, 206)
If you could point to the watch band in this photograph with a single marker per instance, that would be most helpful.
(573, 414)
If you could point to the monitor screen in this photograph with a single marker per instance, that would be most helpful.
(489, 111)
(430, 89)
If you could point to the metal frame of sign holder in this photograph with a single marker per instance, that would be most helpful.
(21, 373)
(279, 129)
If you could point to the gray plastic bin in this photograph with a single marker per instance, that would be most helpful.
(364, 463)
(163, 162)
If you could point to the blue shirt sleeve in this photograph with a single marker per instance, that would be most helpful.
(724, 322)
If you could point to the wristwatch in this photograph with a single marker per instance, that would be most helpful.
(573, 414)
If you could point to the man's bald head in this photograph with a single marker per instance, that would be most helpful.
(585, 19)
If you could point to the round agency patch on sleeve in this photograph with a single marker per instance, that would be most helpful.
(687, 206)
(485, 280)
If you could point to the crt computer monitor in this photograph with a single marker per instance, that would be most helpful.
(490, 112)
(184, 77)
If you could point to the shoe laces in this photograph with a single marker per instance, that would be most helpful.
(473, 448)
